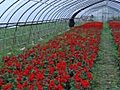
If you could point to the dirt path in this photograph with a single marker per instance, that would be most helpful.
(106, 76)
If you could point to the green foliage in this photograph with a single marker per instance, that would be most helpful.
(106, 63)
(12, 40)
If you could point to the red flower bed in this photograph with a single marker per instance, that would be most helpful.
(114, 25)
(89, 25)
(115, 28)
(64, 62)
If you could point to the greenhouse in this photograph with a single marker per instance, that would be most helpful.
(59, 45)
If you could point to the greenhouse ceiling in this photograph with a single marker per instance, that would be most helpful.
(14, 11)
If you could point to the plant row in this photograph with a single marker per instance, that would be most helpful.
(115, 28)
(64, 62)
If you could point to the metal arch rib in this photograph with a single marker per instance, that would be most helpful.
(46, 9)
(69, 11)
(73, 16)
(27, 10)
(8, 8)
(35, 10)
(69, 14)
(72, 10)
(16, 11)
(55, 8)
(2, 1)
(105, 0)
(40, 11)
(60, 9)
(115, 1)
(89, 11)
(65, 7)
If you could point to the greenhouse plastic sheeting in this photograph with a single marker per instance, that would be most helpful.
(14, 11)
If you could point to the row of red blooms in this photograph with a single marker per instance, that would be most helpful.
(115, 28)
(62, 63)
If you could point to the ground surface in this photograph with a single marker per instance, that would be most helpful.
(106, 74)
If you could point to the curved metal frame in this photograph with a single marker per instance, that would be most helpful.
(76, 8)
(96, 8)
(16, 11)
(63, 9)
(54, 9)
(87, 10)
(39, 16)
(27, 10)
(2, 1)
(8, 8)
(73, 16)
(50, 11)
(34, 11)
(70, 11)
(64, 12)
(41, 10)
(55, 12)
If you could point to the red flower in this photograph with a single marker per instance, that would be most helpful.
(9, 71)
(9, 63)
(31, 51)
(8, 86)
(19, 78)
(73, 66)
(61, 65)
(77, 77)
(79, 64)
(29, 67)
(17, 65)
(31, 77)
(6, 58)
(40, 75)
(39, 87)
(61, 54)
(1, 82)
(90, 63)
(65, 78)
(93, 56)
(89, 75)
(19, 86)
(38, 46)
(85, 84)
(51, 62)
(26, 72)
(31, 87)
(25, 84)
(36, 70)
(59, 87)
(51, 70)
(51, 84)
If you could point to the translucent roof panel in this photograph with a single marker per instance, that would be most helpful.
(14, 11)
(113, 5)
